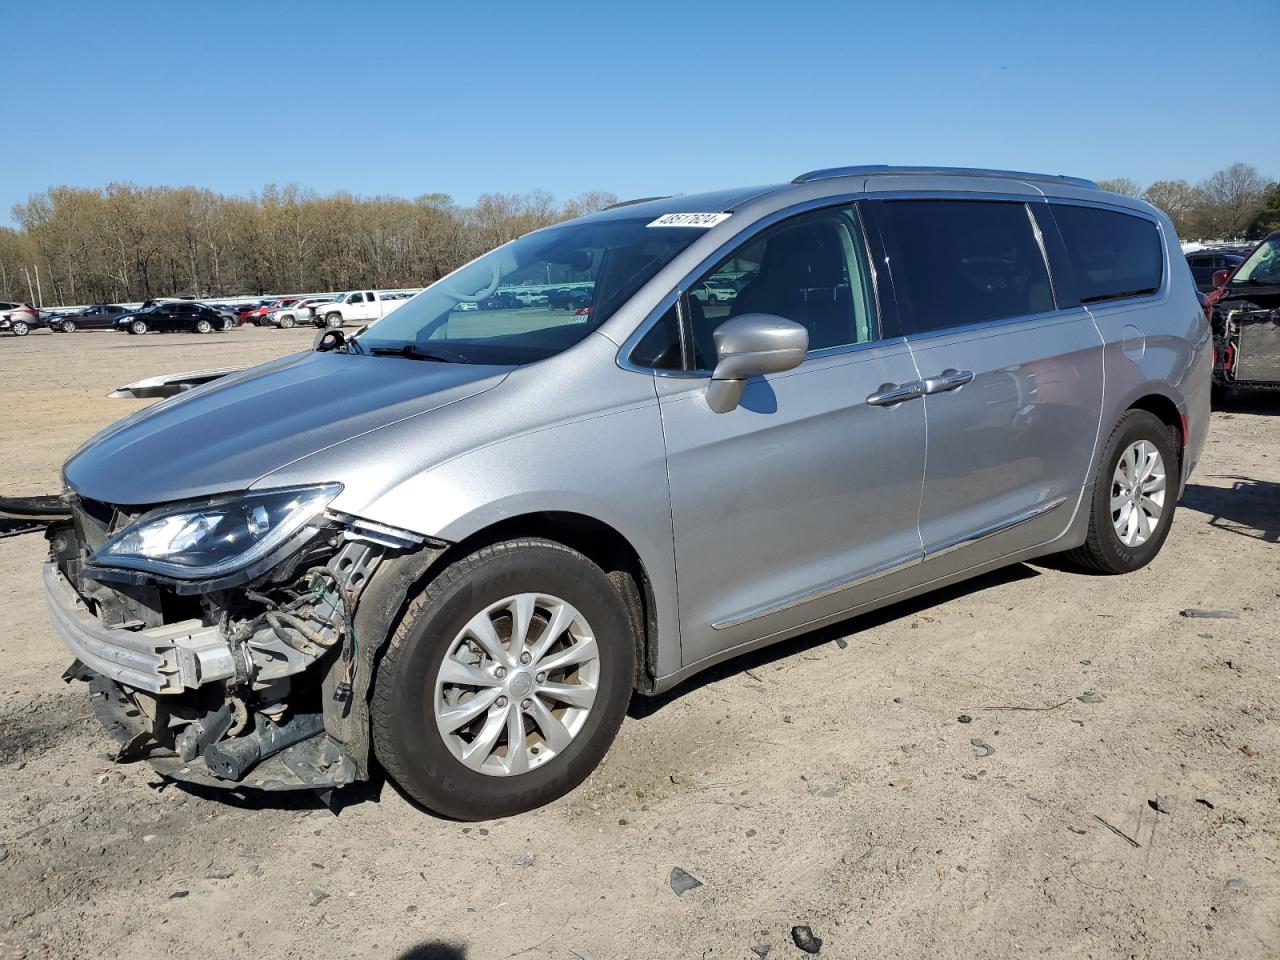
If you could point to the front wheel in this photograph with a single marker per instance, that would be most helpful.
(68, 326)
(286, 322)
(333, 320)
(20, 328)
(506, 681)
(1134, 495)
(138, 326)
(204, 326)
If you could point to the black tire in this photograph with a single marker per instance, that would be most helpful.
(1219, 395)
(226, 324)
(138, 326)
(333, 320)
(405, 737)
(1103, 551)
(204, 326)
(67, 326)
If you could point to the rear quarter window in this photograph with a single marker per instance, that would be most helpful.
(1113, 255)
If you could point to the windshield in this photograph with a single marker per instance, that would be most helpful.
(1263, 265)
(534, 297)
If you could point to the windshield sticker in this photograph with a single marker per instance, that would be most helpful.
(690, 220)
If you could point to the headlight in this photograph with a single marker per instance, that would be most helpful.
(217, 537)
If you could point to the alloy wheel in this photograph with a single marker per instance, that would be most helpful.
(1138, 493)
(517, 684)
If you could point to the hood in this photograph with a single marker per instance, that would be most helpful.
(223, 436)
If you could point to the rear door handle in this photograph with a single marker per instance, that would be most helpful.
(891, 393)
(947, 380)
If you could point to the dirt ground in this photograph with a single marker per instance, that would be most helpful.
(831, 781)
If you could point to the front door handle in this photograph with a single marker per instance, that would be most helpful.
(947, 380)
(891, 393)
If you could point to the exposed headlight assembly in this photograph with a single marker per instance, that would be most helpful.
(198, 541)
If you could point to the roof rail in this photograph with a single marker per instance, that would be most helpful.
(627, 203)
(882, 169)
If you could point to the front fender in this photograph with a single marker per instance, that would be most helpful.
(611, 468)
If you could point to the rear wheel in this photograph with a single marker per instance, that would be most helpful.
(138, 326)
(68, 326)
(1134, 495)
(506, 681)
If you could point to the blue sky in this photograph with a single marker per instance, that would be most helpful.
(637, 98)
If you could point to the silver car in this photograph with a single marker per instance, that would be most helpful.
(467, 536)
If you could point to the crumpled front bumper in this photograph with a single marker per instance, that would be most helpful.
(160, 660)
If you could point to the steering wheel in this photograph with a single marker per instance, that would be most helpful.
(477, 297)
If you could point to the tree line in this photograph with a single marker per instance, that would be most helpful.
(125, 243)
(1237, 203)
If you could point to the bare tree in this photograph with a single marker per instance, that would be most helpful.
(1130, 188)
(1233, 197)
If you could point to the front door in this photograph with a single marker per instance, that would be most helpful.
(799, 503)
(1012, 384)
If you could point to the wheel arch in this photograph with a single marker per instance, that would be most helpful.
(603, 545)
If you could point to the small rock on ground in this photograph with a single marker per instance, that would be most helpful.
(804, 939)
(682, 881)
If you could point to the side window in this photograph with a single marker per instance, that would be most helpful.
(661, 348)
(356, 298)
(811, 269)
(369, 296)
(1114, 255)
(962, 262)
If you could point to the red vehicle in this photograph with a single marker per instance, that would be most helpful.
(258, 315)
(1244, 311)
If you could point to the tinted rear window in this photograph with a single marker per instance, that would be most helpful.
(967, 261)
(1113, 255)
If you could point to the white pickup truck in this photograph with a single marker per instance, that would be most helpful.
(363, 306)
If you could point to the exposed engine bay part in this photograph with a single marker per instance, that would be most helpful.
(1247, 346)
(263, 684)
(232, 759)
(316, 763)
(169, 384)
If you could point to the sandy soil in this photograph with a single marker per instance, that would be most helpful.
(828, 781)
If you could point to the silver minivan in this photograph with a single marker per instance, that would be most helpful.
(471, 530)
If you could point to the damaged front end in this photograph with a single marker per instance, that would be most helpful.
(231, 642)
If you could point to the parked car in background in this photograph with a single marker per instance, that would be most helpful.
(362, 306)
(300, 311)
(227, 312)
(501, 301)
(18, 318)
(714, 290)
(1205, 263)
(1245, 315)
(526, 524)
(180, 315)
(574, 298)
(99, 316)
(258, 316)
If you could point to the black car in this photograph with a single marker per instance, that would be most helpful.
(1205, 263)
(169, 317)
(100, 316)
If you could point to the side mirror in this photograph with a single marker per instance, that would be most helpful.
(748, 346)
(1220, 278)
